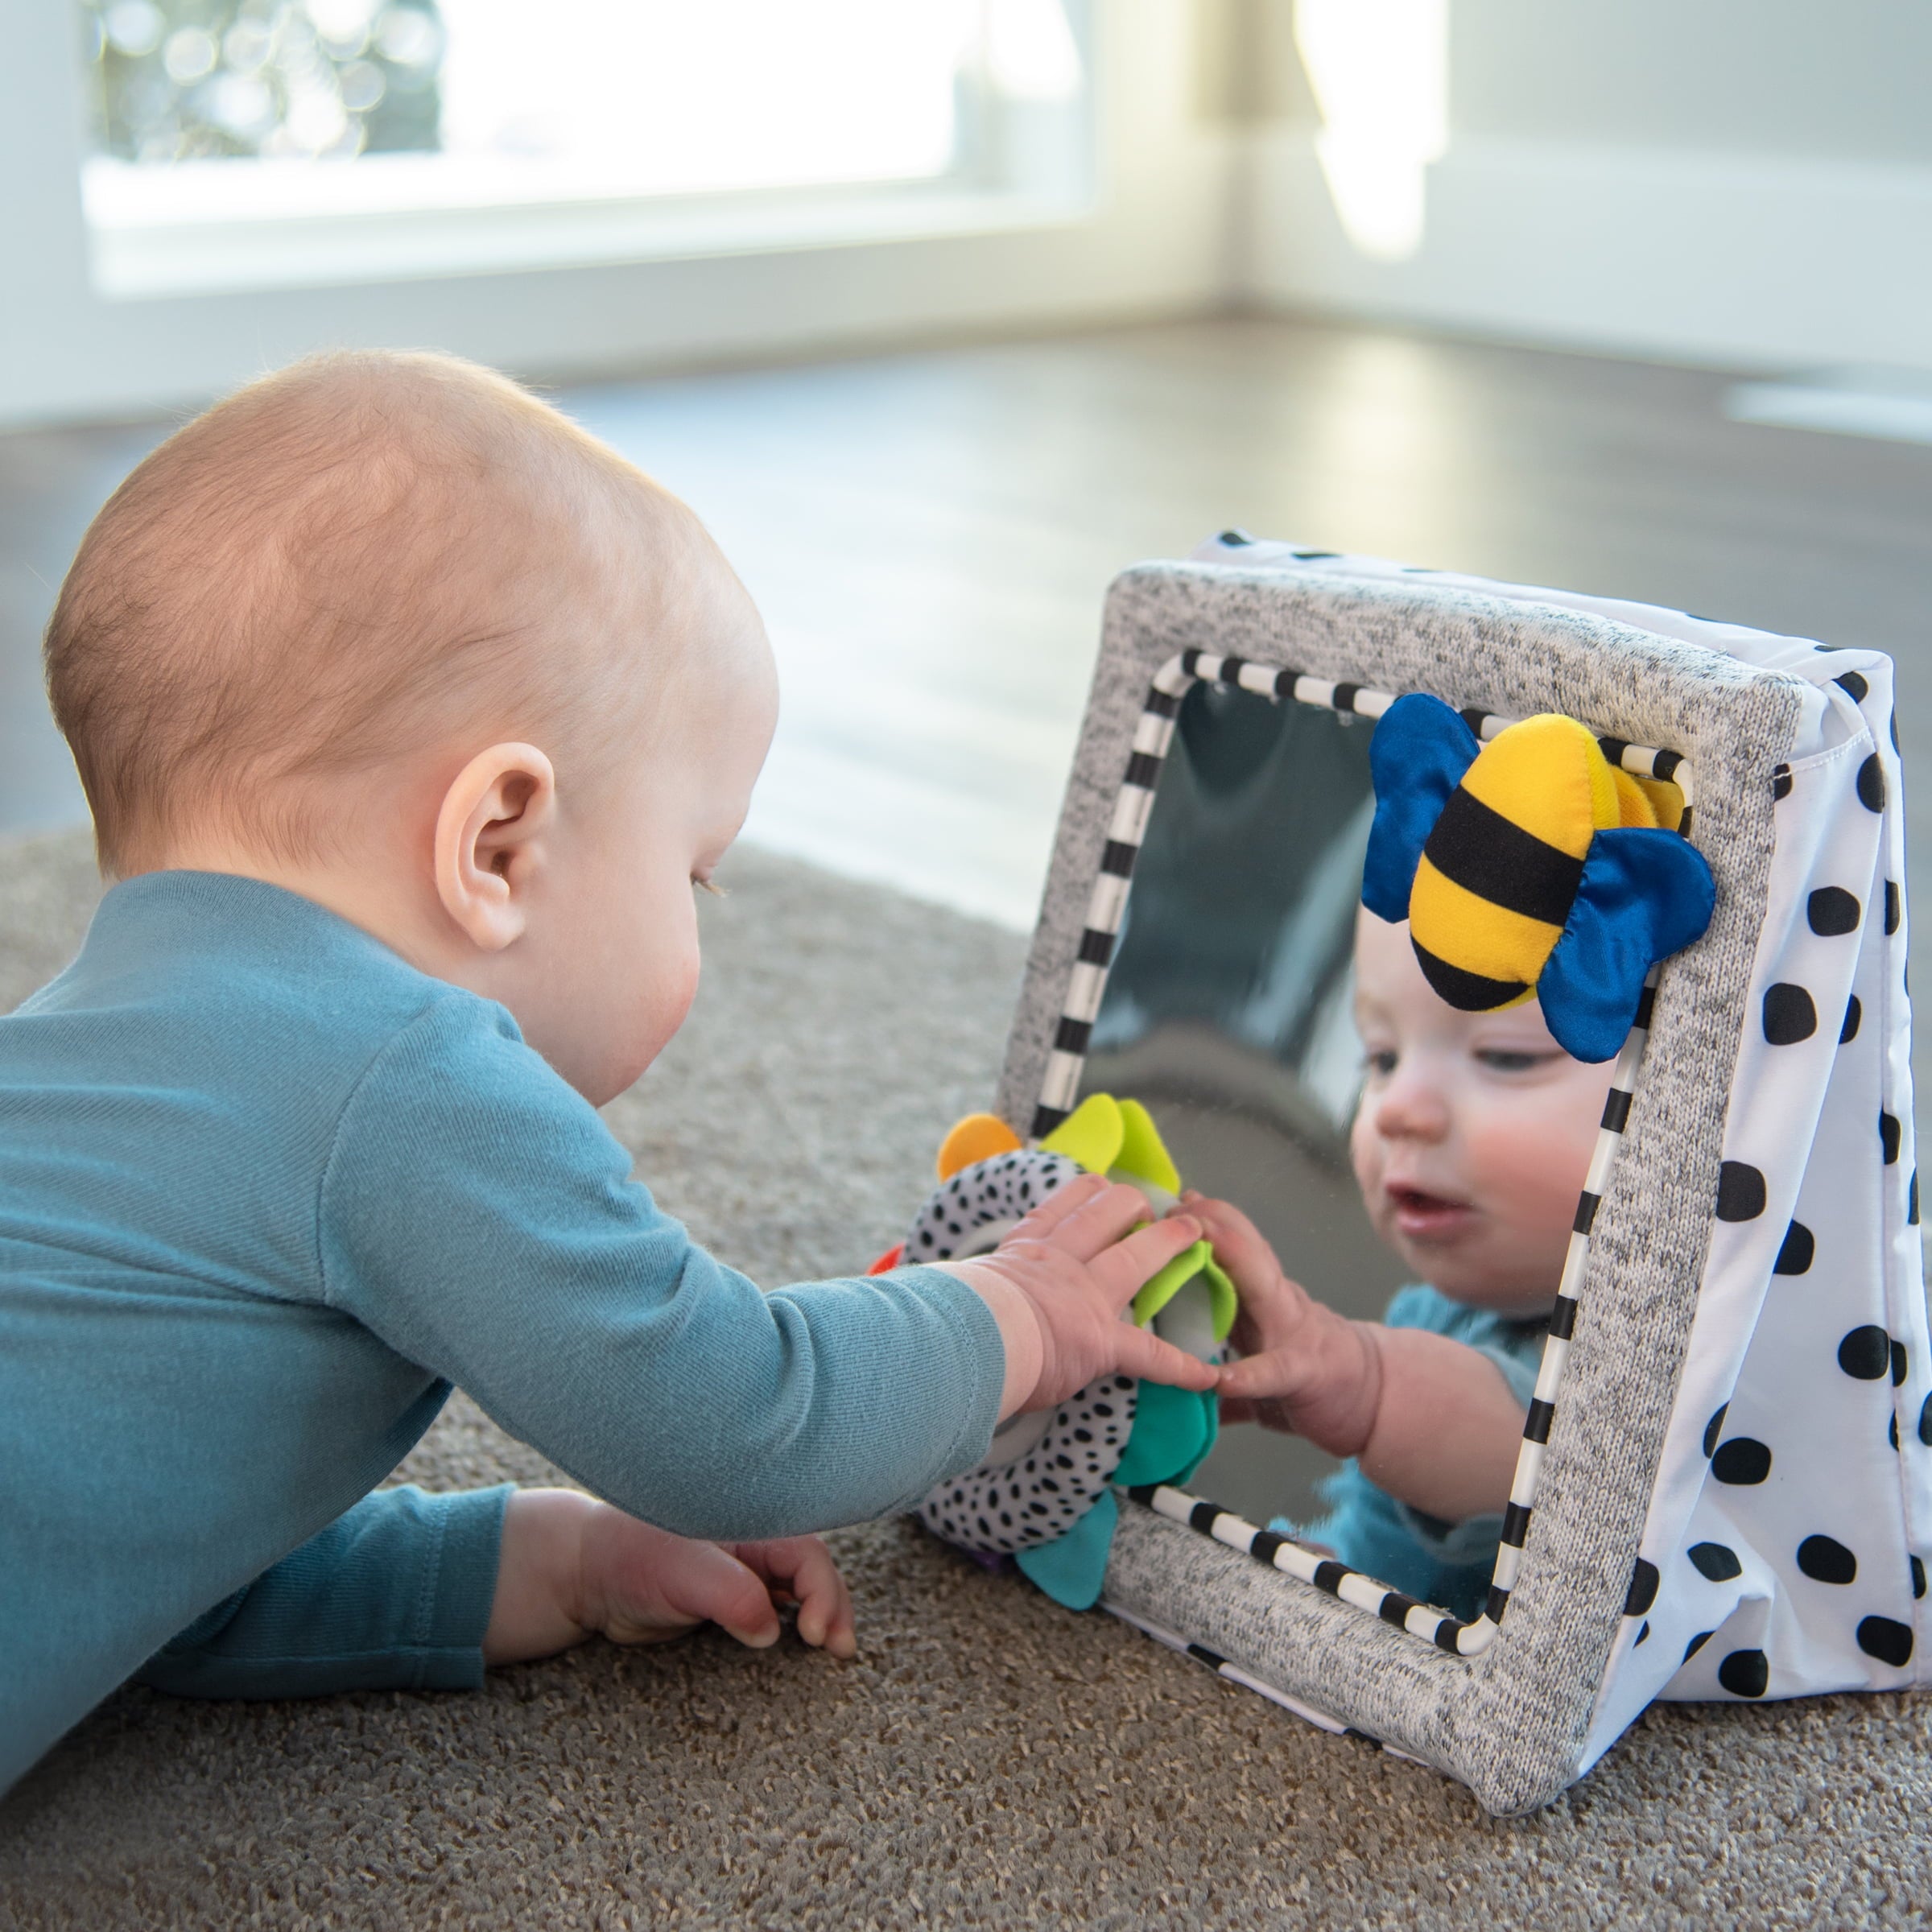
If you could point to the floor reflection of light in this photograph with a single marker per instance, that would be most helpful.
(1380, 70)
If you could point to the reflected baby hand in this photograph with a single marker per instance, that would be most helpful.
(1303, 1369)
(1060, 1282)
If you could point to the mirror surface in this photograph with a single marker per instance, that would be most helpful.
(1228, 1011)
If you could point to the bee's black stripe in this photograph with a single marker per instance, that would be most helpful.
(1466, 991)
(1478, 849)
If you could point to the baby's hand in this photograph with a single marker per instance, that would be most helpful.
(572, 1567)
(1304, 1369)
(1059, 1284)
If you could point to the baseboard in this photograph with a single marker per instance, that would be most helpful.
(1739, 261)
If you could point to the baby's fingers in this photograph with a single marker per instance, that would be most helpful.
(1141, 1353)
(803, 1567)
(1239, 1245)
(1259, 1376)
(695, 1583)
(1125, 1268)
(1094, 1222)
(1059, 1206)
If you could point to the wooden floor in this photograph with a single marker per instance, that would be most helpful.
(930, 533)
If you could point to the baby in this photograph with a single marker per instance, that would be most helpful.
(1471, 1143)
(411, 716)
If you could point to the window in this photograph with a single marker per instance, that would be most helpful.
(341, 125)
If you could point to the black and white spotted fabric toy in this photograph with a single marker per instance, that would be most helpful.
(1042, 1494)
(1046, 1470)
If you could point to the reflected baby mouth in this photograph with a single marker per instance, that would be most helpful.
(1419, 1212)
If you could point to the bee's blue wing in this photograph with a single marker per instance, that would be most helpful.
(1419, 755)
(1645, 895)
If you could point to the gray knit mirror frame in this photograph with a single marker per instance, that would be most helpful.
(1509, 1718)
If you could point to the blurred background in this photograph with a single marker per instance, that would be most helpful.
(941, 311)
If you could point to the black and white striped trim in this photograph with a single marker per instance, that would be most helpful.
(1152, 734)
(1562, 1323)
(1283, 1553)
(1106, 911)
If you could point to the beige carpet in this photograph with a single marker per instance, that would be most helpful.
(988, 1759)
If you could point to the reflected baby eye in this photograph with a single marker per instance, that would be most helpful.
(1501, 1059)
(1381, 1062)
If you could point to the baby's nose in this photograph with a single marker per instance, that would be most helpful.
(1412, 1109)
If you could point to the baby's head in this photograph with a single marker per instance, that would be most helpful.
(1473, 1135)
(387, 629)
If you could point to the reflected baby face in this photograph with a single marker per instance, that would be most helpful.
(1473, 1135)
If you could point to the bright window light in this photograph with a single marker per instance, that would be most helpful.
(1380, 70)
(254, 109)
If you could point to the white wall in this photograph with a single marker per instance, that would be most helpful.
(1744, 182)
(1158, 241)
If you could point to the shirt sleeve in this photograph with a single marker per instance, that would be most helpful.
(395, 1594)
(478, 1216)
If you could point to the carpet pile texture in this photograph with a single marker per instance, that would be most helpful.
(988, 1759)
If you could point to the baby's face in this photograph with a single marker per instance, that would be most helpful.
(618, 967)
(1473, 1135)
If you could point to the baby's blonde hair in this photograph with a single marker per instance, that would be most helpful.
(362, 554)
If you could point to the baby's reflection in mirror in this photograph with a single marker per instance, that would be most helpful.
(1471, 1143)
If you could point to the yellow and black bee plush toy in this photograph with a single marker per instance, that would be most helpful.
(1529, 866)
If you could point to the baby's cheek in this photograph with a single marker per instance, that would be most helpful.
(1531, 1167)
(667, 997)
(1365, 1151)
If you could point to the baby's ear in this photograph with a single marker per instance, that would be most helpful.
(490, 832)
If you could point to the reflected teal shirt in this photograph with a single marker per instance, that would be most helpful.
(266, 1192)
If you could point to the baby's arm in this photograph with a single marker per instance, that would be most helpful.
(502, 1245)
(573, 1568)
(1431, 1422)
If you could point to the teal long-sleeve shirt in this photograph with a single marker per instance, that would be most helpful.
(266, 1192)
